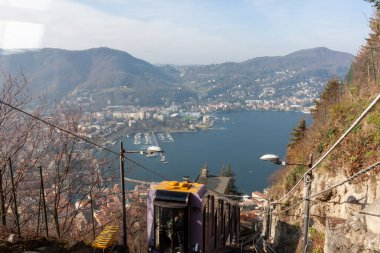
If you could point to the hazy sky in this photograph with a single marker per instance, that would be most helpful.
(186, 31)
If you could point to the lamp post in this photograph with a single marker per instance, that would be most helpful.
(308, 178)
(150, 150)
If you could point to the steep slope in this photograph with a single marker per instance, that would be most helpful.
(345, 216)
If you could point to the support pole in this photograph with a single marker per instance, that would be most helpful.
(14, 198)
(92, 214)
(39, 213)
(122, 152)
(3, 213)
(308, 179)
(271, 207)
(267, 225)
(44, 202)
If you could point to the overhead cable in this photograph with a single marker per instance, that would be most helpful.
(288, 208)
(81, 138)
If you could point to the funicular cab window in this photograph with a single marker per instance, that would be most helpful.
(171, 223)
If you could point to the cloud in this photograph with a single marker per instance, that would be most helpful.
(11, 37)
(179, 32)
(27, 4)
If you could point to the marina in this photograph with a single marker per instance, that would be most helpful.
(165, 137)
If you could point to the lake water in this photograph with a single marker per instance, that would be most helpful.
(240, 140)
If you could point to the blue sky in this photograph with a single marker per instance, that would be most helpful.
(186, 31)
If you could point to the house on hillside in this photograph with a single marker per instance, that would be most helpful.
(260, 199)
(215, 183)
(259, 196)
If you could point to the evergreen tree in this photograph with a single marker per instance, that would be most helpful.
(375, 3)
(226, 171)
(298, 132)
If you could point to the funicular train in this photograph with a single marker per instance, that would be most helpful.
(188, 217)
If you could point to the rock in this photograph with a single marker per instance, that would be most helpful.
(13, 238)
(356, 223)
(372, 216)
(325, 196)
(352, 236)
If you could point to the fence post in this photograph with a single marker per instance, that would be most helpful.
(44, 202)
(14, 198)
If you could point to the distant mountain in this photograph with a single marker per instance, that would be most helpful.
(318, 63)
(116, 77)
(61, 72)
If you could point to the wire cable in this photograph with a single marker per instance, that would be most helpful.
(358, 174)
(360, 118)
(288, 208)
(81, 138)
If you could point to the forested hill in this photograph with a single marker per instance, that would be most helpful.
(61, 73)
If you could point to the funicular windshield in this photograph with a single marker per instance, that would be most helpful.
(171, 228)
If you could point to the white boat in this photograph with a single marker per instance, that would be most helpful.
(154, 149)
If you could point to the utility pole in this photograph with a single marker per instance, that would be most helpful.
(92, 214)
(122, 152)
(92, 206)
(39, 214)
(2, 199)
(308, 179)
(44, 202)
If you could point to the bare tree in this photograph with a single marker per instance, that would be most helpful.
(71, 170)
(17, 135)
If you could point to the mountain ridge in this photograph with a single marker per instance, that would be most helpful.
(61, 73)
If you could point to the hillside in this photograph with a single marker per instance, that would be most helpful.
(116, 76)
(282, 73)
(61, 72)
(345, 216)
